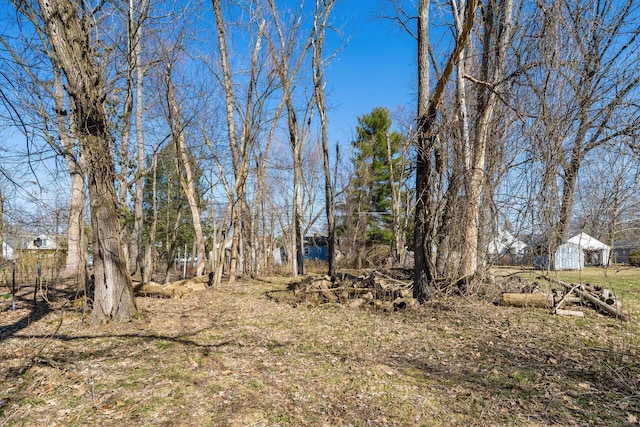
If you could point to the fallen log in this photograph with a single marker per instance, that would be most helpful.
(591, 298)
(174, 289)
(528, 300)
(197, 283)
(154, 290)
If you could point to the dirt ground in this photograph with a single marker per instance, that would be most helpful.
(245, 355)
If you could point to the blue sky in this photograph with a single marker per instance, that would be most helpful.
(377, 68)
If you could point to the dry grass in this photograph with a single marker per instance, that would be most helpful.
(242, 355)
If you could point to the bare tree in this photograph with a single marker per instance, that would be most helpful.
(184, 163)
(56, 131)
(400, 205)
(585, 80)
(606, 190)
(136, 16)
(429, 166)
(239, 161)
(68, 27)
(288, 53)
(496, 38)
(321, 16)
(246, 115)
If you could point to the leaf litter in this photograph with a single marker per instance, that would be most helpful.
(238, 356)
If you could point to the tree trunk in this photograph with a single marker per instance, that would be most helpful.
(131, 248)
(171, 242)
(186, 180)
(298, 267)
(1, 224)
(423, 269)
(113, 298)
(477, 153)
(135, 37)
(239, 153)
(397, 234)
(149, 253)
(426, 225)
(76, 261)
(68, 35)
(320, 20)
(566, 205)
(528, 300)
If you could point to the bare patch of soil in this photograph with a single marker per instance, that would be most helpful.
(243, 355)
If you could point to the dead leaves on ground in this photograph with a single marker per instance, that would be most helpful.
(231, 356)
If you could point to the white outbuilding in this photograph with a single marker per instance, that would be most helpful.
(595, 252)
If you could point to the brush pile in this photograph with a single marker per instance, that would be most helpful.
(389, 290)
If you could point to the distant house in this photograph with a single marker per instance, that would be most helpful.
(505, 244)
(42, 242)
(30, 252)
(568, 256)
(7, 251)
(595, 252)
(316, 248)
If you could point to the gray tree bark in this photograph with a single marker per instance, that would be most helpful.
(68, 35)
(429, 167)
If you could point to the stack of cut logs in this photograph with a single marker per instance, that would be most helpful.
(602, 300)
(173, 289)
(387, 290)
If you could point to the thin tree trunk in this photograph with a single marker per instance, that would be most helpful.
(220, 248)
(136, 37)
(298, 266)
(149, 253)
(171, 246)
(186, 181)
(423, 269)
(320, 20)
(239, 154)
(131, 249)
(1, 224)
(75, 264)
(397, 239)
(487, 99)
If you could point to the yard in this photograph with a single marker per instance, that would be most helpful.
(244, 355)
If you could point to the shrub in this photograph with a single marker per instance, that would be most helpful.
(634, 258)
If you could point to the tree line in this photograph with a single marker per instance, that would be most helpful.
(205, 125)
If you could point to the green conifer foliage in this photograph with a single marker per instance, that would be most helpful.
(371, 194)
